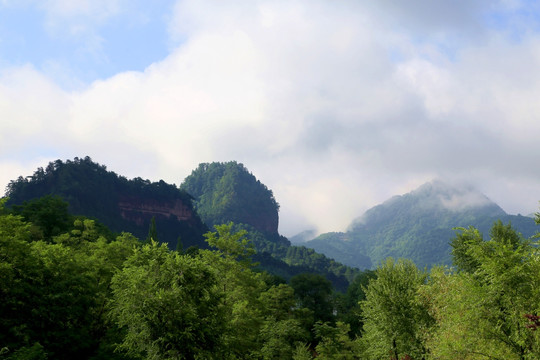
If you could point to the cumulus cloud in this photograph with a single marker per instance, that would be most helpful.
(334, 106)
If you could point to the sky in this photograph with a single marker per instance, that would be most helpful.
(334, 105)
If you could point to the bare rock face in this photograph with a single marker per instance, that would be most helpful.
(141, 211)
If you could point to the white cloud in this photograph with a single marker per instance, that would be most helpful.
(326, 103)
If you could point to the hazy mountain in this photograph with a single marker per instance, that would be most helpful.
(302, 237)
(417, 225)
(225, 192)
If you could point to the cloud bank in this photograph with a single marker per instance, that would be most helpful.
(334, 106)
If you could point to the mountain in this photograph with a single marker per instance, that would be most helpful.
(228, 192)
(225, 192)
(302, 237)
(120, 204)
(221, 192)
(417, 226)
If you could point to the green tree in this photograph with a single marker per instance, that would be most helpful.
(54, 293)
(49, 213)
(240, 287)
(461, 244)
(47, 295)
(152, 231)
(281, 330)
(226, 192)
(168, 305)
(489, 310)
(314, 292)
(349, 310)
(334, 342)
(395, 321)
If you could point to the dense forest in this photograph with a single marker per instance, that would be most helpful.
(226, 192)
(70, 288)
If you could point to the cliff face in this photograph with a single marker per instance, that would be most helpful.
(140, 211)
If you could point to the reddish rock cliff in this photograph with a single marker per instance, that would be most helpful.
(138, 211)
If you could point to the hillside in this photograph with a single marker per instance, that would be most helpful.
(417, 226)
(120, 204)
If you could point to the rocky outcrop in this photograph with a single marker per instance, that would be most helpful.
(139, 211)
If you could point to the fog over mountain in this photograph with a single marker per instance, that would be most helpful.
(417, 225)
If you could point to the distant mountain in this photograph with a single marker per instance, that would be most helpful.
(417, 226)
(228, 192)
(302, 237)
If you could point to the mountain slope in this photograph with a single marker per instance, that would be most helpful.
(417, 225)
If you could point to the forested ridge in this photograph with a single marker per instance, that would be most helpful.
(93, 191)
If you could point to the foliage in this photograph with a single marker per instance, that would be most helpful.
(48, 213)
(70, 288)
(395, 321)
(168, 305)
(348, 305)
(334, 342)
(484, 311)
(314, 292)
(239, 285)
(276, 255)
(54, 292)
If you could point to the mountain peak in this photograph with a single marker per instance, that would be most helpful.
(455, 197)
(434, 197)
(417, 225)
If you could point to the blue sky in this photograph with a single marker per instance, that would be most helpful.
(84, 43)
(335, 106)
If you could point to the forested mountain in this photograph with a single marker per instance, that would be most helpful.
(416, 226)
(222, 192)
(226, 192)
(121, 204)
